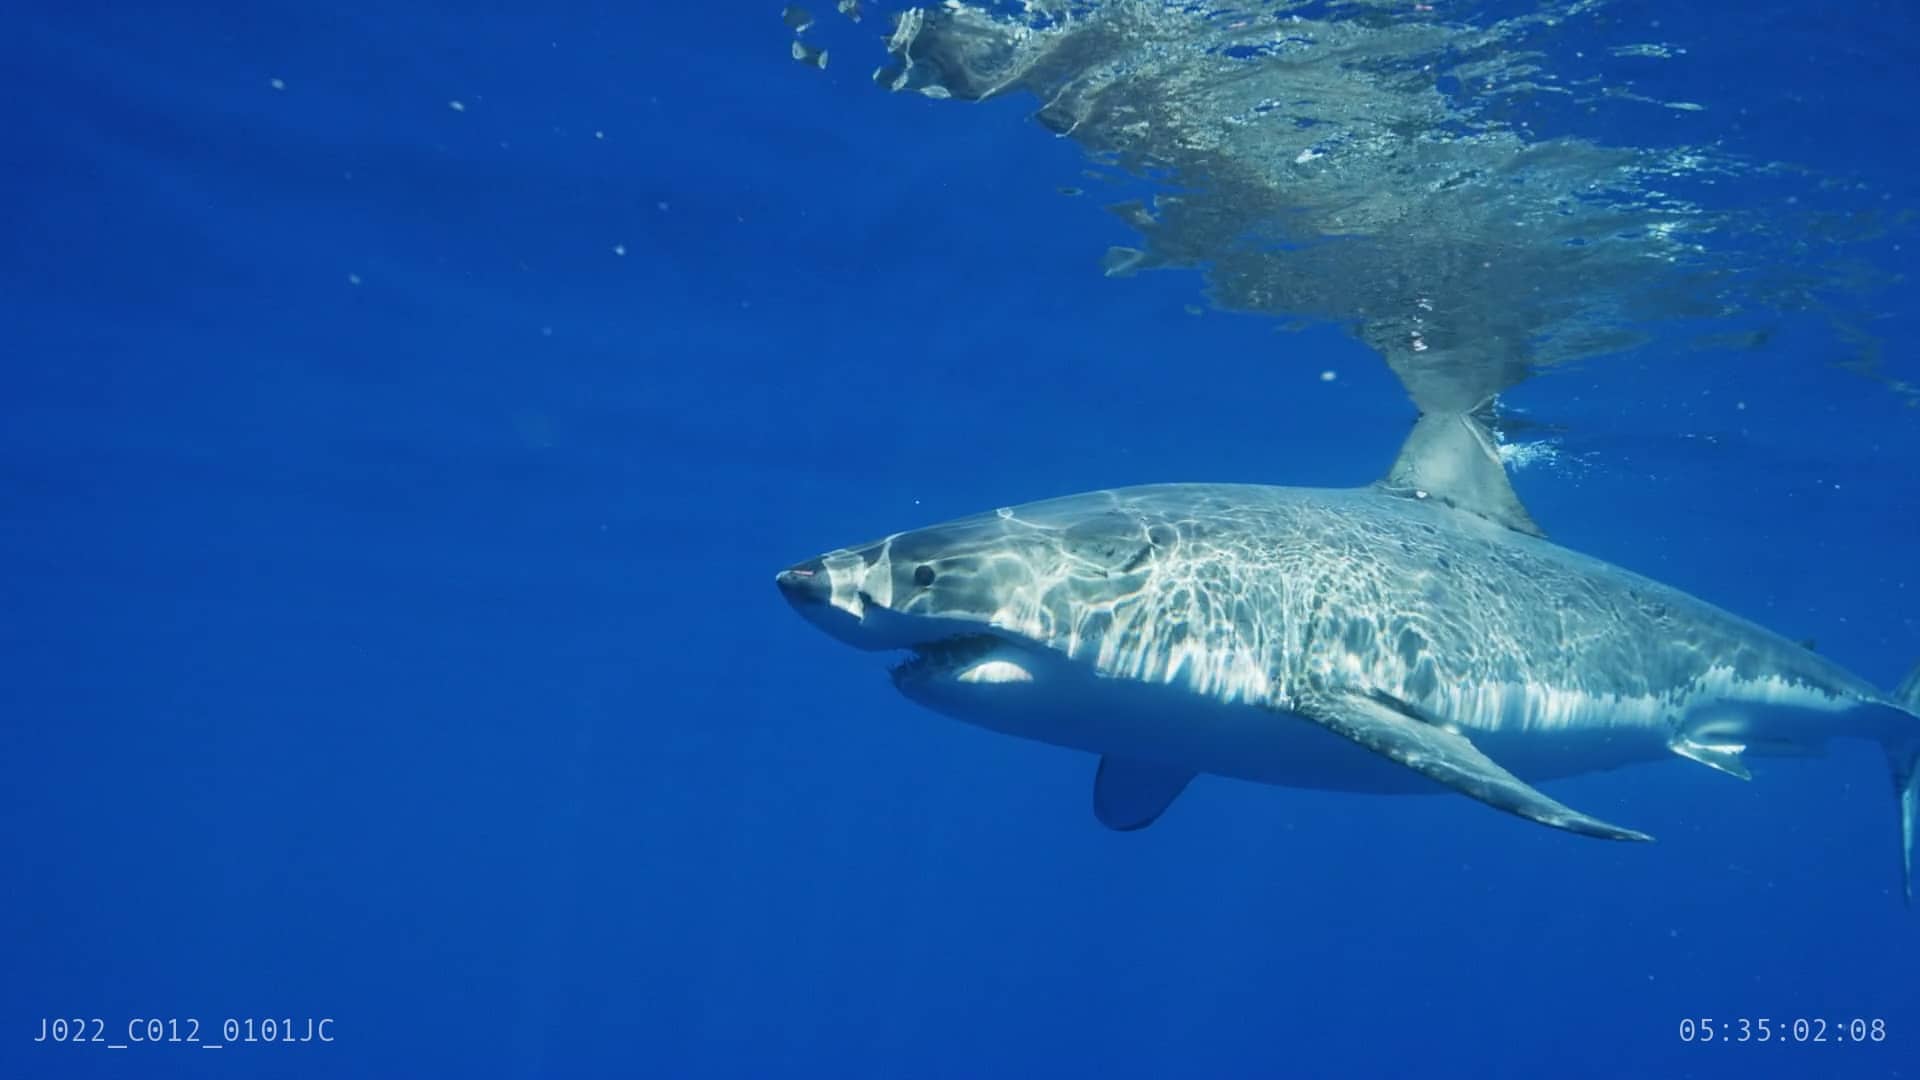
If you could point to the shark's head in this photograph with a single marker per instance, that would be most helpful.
(959, 594)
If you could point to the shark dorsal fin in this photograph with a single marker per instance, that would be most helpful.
(1452, 458)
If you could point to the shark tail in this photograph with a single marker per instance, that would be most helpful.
(1904, 757)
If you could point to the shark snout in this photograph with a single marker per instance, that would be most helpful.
(808, 587)
(805, 584)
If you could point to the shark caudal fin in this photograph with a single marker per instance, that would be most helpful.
(1904, 756)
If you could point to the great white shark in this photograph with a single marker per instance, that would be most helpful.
(1378, 639)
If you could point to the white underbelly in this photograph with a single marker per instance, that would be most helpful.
(1027, 695)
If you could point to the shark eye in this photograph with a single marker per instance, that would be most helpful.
(923, 575)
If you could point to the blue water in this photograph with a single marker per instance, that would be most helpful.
(387, 631)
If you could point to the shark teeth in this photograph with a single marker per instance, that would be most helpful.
(955, 655)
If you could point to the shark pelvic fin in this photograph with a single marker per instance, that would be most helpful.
(1722, 756)
(1393, 729)
(1129, 794)
(1452, 458)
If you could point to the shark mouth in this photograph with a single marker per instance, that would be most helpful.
(967, 658)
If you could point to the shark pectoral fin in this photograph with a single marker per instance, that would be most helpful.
(1390, 728)
(1722, 756)
(1129, 794)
